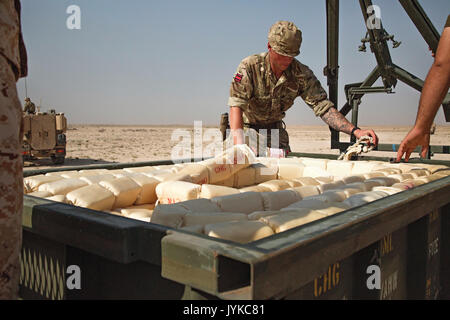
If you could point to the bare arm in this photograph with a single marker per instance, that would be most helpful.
(236, 125)
(337, 121)
(433, 92)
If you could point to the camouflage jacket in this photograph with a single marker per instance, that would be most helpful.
(11, 42)
(264, 100)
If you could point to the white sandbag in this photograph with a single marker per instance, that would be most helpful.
(204, 218)
(430, 178)
(287, 171)
(373, 174)
(275, 185)
(387, 181)
(330, 186)
(416, 182)
(140, 169)
(437, 168)
(388, 190)
(239, 231)
(228, 182)
(218, 170)
(364, 198)
(62, 186)
(255, 189)
(92, 172)
(124, 189)
(200, 205)
(363, 167)
(339, 168)
(361, 186)
(353, 178)
(138, 214)
(40, 194)
(312, 203)
(97, 178)
(333, 208)
(348, 191)
(93, 197)
(293, 183)
(246, 202)
(71, 174)
(198, 172)
(316, 163)
(324, 180)
(195, 229)
(209, 191)
(58, 198)
(442, 173)
(245, 177)
(307, 181)
(306, 191)
(279, 199)
(401, 176)
(337, 195)
(265, 172)
(259, 214)
(169, 176)
(389, 171)
(147, 192)
(370, 184)
(315, 172)
(170, 215)
(416, 173)
(32, 183)
(404, 185)
(291, 219)
(177, 191)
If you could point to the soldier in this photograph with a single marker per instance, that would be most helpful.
(265, 86)
(30, 108)
(13, 65)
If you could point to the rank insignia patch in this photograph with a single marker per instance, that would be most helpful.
(238, 77)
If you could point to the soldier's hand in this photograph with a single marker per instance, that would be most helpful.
(360, 133)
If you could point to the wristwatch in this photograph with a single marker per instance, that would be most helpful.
(353, 131)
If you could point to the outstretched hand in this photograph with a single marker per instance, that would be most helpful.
(414, 138)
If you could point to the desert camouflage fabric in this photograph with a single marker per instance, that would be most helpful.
(263, 99)
(12, 66)
(285, 38)
(29, 107)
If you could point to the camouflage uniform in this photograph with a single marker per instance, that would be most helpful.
(12, 67)
(29, 107)
(263, 99)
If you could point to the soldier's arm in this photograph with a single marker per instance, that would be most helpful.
(236, 125)
(240, 92)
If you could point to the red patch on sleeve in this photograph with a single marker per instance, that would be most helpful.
(238, 77)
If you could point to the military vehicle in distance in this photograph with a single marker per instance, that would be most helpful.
(44, 136)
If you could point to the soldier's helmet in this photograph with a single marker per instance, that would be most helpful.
(27, 99)
(285, 38)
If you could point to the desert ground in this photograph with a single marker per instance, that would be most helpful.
(97, 144)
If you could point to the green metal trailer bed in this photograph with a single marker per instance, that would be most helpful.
(404, 236)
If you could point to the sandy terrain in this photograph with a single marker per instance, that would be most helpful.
(96, 144)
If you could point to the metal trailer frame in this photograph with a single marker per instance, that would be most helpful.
(385, 69)
(121, 258)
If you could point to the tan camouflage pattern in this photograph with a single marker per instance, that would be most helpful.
(12, 66)
(285, 38)
(263, 99)
(29, 107)
(11, 42)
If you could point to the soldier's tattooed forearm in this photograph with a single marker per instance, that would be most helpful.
(337, 121)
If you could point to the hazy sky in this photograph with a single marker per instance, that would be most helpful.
(172, 61)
